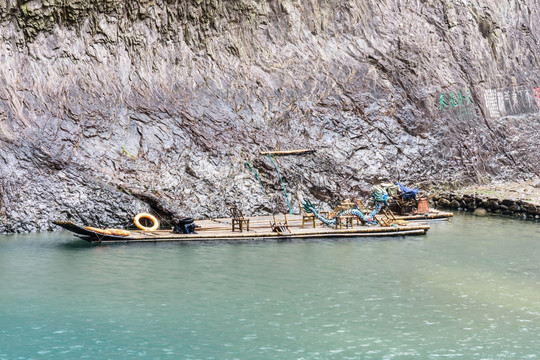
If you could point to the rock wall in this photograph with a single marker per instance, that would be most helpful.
(481, 204)
(111, 107)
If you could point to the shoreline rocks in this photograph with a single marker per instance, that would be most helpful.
(480, 204)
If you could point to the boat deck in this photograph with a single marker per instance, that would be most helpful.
(259, 228)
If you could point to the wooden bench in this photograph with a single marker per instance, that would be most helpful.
(238, 219)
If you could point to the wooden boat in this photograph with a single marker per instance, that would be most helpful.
(260, 228)
(432, 214)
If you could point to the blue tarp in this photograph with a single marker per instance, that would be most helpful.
(407, 193)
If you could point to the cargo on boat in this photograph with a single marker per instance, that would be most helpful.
(249, 228)
(407, 204)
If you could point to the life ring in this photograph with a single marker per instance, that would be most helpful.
(150, 217)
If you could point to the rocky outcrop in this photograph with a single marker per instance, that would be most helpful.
(111, 107)
(519, 199)
(489, 204)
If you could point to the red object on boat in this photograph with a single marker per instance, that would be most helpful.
(423, 206)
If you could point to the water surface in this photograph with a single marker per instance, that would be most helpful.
(469, 289)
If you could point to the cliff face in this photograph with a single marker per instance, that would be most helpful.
(110, 107)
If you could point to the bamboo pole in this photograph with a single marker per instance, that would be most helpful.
(226, 234)
(264, 236)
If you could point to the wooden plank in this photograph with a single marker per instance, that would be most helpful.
(433, 216)
(267, 232)
(270, 237)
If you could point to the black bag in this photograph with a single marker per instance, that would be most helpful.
(185, 226)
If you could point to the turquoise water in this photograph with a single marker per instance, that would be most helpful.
(469, 289)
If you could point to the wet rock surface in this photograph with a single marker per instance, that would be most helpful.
(109, 108)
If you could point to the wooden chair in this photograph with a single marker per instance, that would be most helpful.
(238, 219)
(362, 207)
(308, 218)
(344, 220)
(282, 228)
(334, 213)
(386, 217)
(345, 206)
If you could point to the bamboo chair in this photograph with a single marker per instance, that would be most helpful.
(238, 219)
(282, 228)
(309, 218)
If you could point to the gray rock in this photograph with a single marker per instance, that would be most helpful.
(509, 203)
(492, 204)
(443, 202)
(480, 212)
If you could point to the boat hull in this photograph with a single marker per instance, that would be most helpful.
(260, 229)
